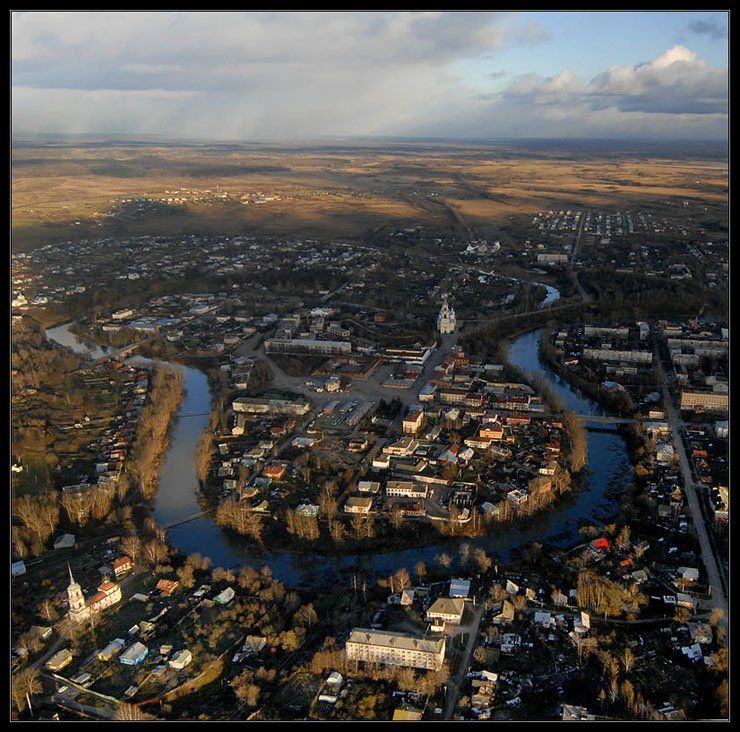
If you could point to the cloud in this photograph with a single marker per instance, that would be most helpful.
(170, 46)
(716, 31)
(301, 75)
(254, 74)
(675, 82)
(676, 95)
(537, 89)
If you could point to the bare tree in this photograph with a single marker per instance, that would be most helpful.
(306, 616)
(20, 548)
(465, 555)
(35, 513)
(613, 688)
(682, 615)
(25, 682)
(328, 502)
(154, 552)
(48, 610)
(131, 713)
(357, 526)
(628, 659)
(623, 538)
(336, 531)
(400, 580)
(497, 592)
(628, 694)
(396, 516)
(131, 545)
(482, 560)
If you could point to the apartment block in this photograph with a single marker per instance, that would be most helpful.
(395, 649)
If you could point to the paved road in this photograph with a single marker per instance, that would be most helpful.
(608, 419)
(57, 645)
(329, 295)
(453, 685)
(571, 262)
(718, 599)
(88, 710)
(599, 620)
(370, 389)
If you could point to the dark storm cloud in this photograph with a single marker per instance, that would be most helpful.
(716, 31)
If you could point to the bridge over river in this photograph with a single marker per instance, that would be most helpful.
(605, 419)
(190, 517)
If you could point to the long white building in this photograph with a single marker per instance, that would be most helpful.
(395, 649)
(307, 345)
(605, 354)
(270, 405)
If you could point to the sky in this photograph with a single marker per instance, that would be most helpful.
(298, 76)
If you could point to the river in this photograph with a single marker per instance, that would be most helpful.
(552, 294)
(610, 473)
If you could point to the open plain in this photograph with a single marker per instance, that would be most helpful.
(83, 190)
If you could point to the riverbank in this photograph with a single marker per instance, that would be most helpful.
(385, 538)
(620, 403)
(179, 496)
(155, 429)
(280, 554)
(576, 450)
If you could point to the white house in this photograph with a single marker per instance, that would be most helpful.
(181, 659)
(225, 597)
(446, 610)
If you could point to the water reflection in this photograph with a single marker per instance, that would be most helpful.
(551, 296)
(62, 335)
(524, 354)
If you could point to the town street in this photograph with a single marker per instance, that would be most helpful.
(370, 389)
(718, 598)
(453, 685)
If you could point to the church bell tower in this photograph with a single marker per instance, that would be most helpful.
(78, 609)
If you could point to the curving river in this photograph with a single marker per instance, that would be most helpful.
(609, 475)
(552, 294)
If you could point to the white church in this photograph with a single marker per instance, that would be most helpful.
(446, 321)
(109, 593)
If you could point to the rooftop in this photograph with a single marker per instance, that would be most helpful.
(390, 639)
